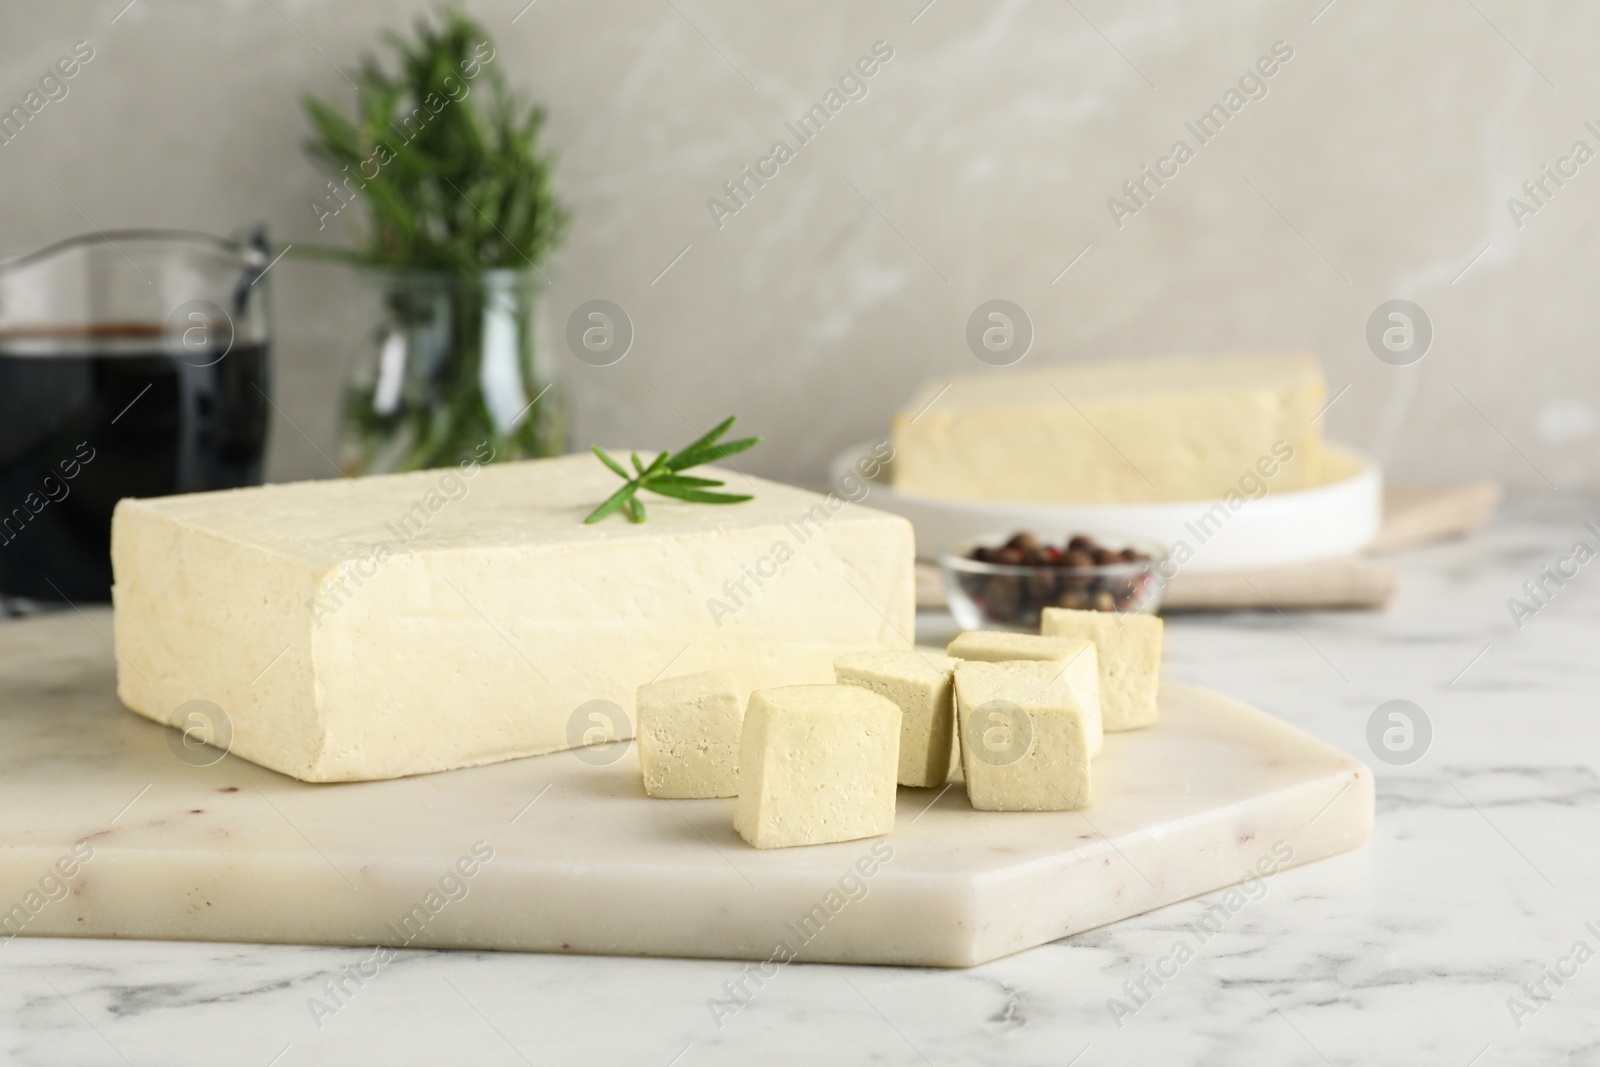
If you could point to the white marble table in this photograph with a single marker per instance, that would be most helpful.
(1482, 873)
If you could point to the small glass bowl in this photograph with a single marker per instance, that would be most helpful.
(1000, 596)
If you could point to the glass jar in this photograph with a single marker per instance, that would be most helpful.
(460, 369)
(132, 363)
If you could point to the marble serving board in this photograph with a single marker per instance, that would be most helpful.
(110, 827)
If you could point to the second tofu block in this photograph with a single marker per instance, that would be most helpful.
(1122, 432)
(921, 687)
(689, 736)
(1024, 746)
(1129, 648)
(1079, 656)
(817, 763)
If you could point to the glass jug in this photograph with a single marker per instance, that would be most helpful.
(132, 363)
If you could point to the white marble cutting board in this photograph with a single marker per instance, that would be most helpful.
(582, 861)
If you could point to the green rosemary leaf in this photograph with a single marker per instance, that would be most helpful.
(682, 481)
(613, 502)
(697, 496)
(635, 509)
(613, 464)
(694, 457)
(711, 435)
(733, 448)
(657, 466)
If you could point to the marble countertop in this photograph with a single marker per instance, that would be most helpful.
(1461, 935)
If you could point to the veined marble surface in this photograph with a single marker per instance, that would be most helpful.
(1481, 877)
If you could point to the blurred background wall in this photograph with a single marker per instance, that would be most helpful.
(1377, 165)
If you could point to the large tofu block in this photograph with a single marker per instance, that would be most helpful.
(396, 625)
(817, 763)
(1128, 647)
(1024, 746)
(689, 731)
(1077, 657)
(1179, 428)
(920, 686)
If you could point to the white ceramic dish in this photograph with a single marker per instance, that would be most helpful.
(1333, 519)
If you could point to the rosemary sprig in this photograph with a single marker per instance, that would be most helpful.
(662, 475)
(445, 158)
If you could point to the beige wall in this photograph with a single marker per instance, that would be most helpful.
(1377, 166)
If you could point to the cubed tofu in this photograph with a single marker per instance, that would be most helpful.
(1078, 656)
(689, 731)
(817, 763)
(1129, 651)
(1024, 742)
(920, 686)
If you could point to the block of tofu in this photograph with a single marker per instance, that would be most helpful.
(817, 763)
(1024, 746)
(1128, 647)
(1079, 661)
(920, 686)
(396, 625)
(1179, 428)
(689, 736)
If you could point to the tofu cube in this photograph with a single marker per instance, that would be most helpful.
(689, 731)
(1129, 648)
(1024, 742)
(817, 763)
(920, 686)
(1079, 657)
